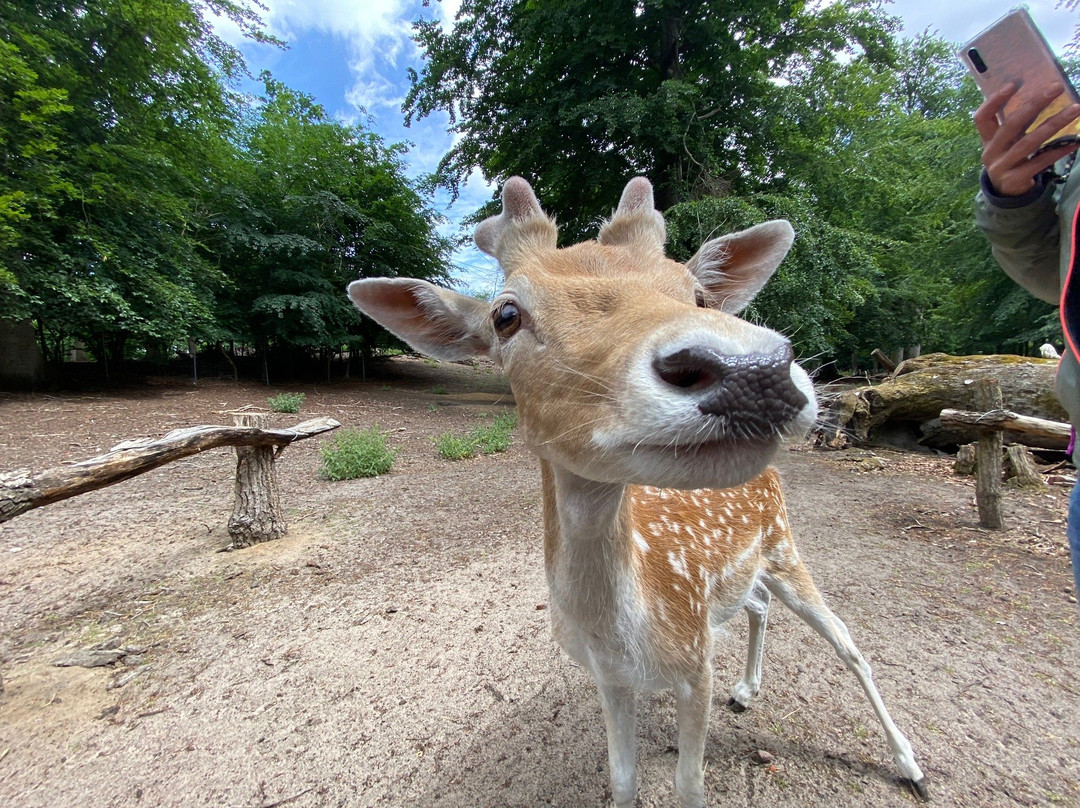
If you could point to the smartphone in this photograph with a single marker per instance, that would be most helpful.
(1013, 50)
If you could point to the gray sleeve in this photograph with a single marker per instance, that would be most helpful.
(1024, 235)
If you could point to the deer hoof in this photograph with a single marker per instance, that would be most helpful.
(919, 789)
(736, 706)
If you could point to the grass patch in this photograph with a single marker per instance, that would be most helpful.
(495, 437)
(356, 453)
(485, 439)
(439, 390)
(454, 447)
(286, 402)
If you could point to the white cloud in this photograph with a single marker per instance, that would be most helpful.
(371, 91)
(361, 20)
(447, 11)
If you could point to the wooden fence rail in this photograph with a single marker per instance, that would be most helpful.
(21, 491)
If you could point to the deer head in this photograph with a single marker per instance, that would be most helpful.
(627, 366)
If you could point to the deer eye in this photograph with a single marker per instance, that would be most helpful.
(507, 319)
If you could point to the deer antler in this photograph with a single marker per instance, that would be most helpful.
(522, 226)
(636, 221)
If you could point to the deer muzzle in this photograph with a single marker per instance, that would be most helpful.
(753, 395)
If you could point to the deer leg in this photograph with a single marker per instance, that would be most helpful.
(692, 700)
(797, 591)
(757, 610)
(620, 718)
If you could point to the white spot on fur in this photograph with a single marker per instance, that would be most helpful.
(639, 540)
(678, 563)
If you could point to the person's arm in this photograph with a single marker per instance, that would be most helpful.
(1015, 208)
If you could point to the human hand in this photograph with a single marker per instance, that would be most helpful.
(1008, 153)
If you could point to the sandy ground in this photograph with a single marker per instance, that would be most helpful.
(394, 648)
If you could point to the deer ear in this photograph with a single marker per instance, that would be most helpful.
(733, 269)
(520, 228)
(636, 221)
(434, 321)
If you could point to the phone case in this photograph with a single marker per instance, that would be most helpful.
(1013, 50)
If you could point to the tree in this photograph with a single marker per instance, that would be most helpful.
(111, 113)
(829, 275)
(310, 205)
(578, 96)
(890, 153)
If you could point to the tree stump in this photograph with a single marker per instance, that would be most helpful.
(256, 515)
(1021, 470)
(988, 458)
(964, 466)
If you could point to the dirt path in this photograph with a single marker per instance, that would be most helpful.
(394, 648)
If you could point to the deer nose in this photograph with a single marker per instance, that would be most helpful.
(755, 391)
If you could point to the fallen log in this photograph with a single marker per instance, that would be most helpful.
(1020, 470)
(914, 395)
(883, 360)
(21, 491)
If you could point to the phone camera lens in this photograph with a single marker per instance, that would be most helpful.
(977, 60)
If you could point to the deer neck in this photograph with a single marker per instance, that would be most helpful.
(588, 547)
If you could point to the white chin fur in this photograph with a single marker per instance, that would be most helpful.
(707, 465)
(668, 443)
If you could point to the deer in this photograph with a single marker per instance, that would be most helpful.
(655, 412)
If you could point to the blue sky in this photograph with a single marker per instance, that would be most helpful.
(352, 57)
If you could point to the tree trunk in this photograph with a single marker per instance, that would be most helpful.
(22, 366)
(257, 515)
(988, 459)
(229, 359)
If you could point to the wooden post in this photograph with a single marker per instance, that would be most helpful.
(988, 458)
(256, 515)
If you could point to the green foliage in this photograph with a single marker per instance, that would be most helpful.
(109, 116)
(736, 113)
(578, 96)
(495, 437)
(144, 202)
(484, 439)
(891, 155)
(815, 293)
(878, 178)
(286, 402)
(313, 205)
(356, 453)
